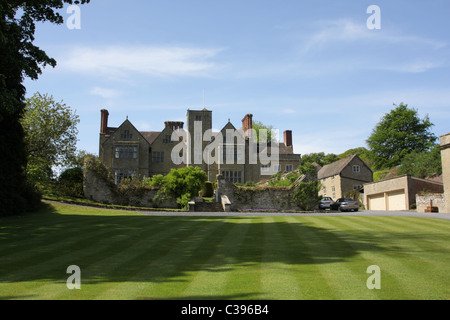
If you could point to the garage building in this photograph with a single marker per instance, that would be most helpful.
(398, 193)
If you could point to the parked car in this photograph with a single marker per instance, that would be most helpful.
(345, 204)
(325, 203)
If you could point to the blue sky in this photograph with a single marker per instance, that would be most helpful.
(313, 67)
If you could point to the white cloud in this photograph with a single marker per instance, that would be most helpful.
(126, 61)
(105, 93)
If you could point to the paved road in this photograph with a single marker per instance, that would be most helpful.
(445, 216)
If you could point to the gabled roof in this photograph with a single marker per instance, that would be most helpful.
(150, 136)
(334, 168)
(111, 130)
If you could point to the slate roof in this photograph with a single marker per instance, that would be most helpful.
(334, 168)
(150, 136)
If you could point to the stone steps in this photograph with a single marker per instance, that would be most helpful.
(208, 207)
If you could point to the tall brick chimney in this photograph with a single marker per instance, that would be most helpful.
(104, 120)
(247, 123)
(288, 138)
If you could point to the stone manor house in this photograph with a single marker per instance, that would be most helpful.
(127, 151)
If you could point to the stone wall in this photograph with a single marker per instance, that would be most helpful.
(264, 198)
(435, 200)
(100, 189)
(445, 156)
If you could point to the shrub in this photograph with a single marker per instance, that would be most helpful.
(306, 194)
(70, 183)
(182, 184)
(208, 190)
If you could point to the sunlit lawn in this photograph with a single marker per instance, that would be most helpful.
(125, 255)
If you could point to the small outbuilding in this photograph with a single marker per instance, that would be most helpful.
(397, 193)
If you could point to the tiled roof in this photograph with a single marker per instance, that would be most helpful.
(150, 136)
(334, 168)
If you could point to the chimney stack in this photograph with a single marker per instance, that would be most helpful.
(247, 123)
(174, 124)
(288, 138)
(104, 120)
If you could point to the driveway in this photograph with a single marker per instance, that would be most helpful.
(445, 216)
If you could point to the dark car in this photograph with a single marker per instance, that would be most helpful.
(325, 203)
(345, 204)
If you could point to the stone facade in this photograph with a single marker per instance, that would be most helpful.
(397, 193)
(343, 175)
(445, 157)
(128, 152)
(435, 200)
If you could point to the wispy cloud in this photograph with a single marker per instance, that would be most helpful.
(105, 93)
(350, 45)
(127, 61)
(345, 31)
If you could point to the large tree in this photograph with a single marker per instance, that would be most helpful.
(320, 158)
(19, 58)
(50, 136)
(422, 164)
(399, 133)
(361, 152)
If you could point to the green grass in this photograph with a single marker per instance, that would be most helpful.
(125, 255)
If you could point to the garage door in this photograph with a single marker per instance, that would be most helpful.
(397, 200)
(376, 202)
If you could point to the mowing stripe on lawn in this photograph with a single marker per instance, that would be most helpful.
(357, 261)
(344, 279)
(130, 256)
(278, 269)
(246, 277)
(400, 277)
(55, 264)
(125, 264)
(210, 281)
(162, 274)
(57, 249)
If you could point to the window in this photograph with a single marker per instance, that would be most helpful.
(356, 169)
(289, 167)
(126, 135)
(264, 168)
(232, 176)
(123, 174)
(198, 118)
(167, 139)
(126, 152)
(158, 157)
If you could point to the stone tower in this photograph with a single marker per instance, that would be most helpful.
(198, 122)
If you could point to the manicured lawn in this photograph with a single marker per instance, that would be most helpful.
(125, 255)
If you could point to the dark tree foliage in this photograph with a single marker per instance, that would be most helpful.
(422, 164)
(19, 58)
(399, 133)
(320, 158)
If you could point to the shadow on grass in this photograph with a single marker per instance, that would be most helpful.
(168, 249)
